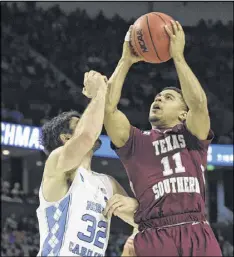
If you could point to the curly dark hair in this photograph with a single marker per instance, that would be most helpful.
(52, 129)
(178, 91)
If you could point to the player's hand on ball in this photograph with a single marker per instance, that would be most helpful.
(120, 206)
(128, 54)
(93, 81)
(177, 40)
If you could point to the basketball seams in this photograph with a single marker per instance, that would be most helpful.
(158, 15)
(155, 50)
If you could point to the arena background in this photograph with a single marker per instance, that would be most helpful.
(46, 48)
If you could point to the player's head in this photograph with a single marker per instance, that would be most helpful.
(59, 130)
(168, 108)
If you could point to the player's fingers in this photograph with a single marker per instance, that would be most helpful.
(119, 210)
(84, 92)
(174, 26)
(127, 37)
(105, 79)
(169, 32)
(85, 77)
(128, 34)
(110, 202)
(179, 27)
(93, 73)
(113, 208)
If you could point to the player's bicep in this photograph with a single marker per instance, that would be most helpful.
(198, 123)
(118, 127)
(54, 182)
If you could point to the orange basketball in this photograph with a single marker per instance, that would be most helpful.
(149, 38)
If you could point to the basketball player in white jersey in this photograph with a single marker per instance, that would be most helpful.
(72, 197)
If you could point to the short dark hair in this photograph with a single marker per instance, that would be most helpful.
(178, 91)
(51, 130)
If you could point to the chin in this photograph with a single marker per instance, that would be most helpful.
(153, 118)
(97, 145)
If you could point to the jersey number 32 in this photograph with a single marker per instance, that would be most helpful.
(94, 231)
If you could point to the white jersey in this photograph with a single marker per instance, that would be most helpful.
(75, 225)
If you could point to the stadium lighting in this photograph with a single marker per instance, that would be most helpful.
(39, 163)
(5, 152)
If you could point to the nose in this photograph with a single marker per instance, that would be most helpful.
(158, 99)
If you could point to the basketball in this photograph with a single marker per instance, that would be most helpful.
(149, 38)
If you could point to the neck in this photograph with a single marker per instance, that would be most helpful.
(164, 126)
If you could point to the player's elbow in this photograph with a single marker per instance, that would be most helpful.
(199, 105)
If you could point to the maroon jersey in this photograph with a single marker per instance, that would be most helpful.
(166, 172)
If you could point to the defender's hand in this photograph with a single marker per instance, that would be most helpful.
(129, 249)
(128, 54)
(93, 81)
(177, 40)
(120, 205)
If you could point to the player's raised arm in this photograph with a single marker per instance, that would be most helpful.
(116, 123)
(75, 145)
(197, 121)
(89, 126)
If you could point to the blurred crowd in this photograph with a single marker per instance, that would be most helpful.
(14, 193)
(46, 52)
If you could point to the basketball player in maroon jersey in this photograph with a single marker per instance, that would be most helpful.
(166, 165)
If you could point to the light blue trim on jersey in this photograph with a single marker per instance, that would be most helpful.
(56, 218)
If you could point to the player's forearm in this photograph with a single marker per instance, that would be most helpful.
(116, 84)
(192, 91)
(91, 121)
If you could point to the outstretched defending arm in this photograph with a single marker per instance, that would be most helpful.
(70, 155)
(90, 125)
(115, 122)
(197, 121)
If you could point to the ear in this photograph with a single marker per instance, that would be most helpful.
(183, 115)
(64, 137)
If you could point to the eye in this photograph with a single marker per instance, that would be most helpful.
(168, 97)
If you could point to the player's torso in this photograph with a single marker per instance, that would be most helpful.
(77, 225)
(166, 174)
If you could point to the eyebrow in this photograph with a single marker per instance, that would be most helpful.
(165, 95)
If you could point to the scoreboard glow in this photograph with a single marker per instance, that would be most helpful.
(28, 137)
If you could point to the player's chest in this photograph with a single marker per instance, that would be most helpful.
(160, 155)
(158, 145)
(91, 192)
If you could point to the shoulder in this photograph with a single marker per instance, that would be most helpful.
(194, 141)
